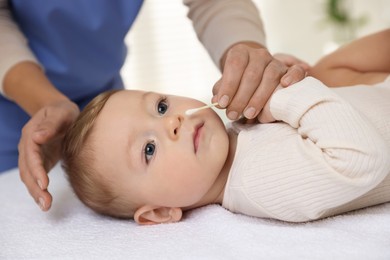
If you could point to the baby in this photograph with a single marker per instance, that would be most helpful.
(136, 154)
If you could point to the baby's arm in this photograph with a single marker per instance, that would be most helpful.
(336, 155)
(363, 61)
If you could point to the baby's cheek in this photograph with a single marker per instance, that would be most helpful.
(189, 191)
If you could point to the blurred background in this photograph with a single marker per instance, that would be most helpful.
(164, 54)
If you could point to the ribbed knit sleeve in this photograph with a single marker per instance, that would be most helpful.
(322, 155)
(13, 44)
(221, 23)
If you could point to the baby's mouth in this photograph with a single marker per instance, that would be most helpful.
(196, 136)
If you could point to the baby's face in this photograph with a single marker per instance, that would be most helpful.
(153, 153)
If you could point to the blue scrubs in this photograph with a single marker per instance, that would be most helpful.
(80, 43)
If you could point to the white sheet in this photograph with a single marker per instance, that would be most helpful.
(70, 230)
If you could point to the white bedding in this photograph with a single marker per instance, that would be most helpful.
(70, 230)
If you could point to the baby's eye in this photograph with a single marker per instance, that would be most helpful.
(149, 151)
(162, 106)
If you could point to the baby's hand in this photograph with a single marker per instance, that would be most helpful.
(265, 115)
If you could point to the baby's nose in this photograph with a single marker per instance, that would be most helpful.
(173, 125)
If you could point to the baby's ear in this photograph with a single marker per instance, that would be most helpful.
(149, 215)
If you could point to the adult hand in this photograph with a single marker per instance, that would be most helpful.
(40, 147)
(293, 63)
(265, 116)
(250, 76)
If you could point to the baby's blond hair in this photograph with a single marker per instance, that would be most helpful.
(90, 186)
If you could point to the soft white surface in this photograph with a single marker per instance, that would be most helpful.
(72, 231)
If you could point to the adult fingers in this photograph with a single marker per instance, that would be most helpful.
(42, 197)
(35, 181)
(215, 90)
(235, 64)
(290, 60)
(34, 137)
(294, 74)
(259, 59)
(270, 80)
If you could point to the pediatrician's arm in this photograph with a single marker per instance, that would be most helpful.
(40, 143)
(233, 34)
(24, 82)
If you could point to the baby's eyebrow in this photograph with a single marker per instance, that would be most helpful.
(146, 99)
(146, 95)
(130, 152)
(133, 152)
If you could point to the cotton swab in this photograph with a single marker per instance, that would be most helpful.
(194, 110)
